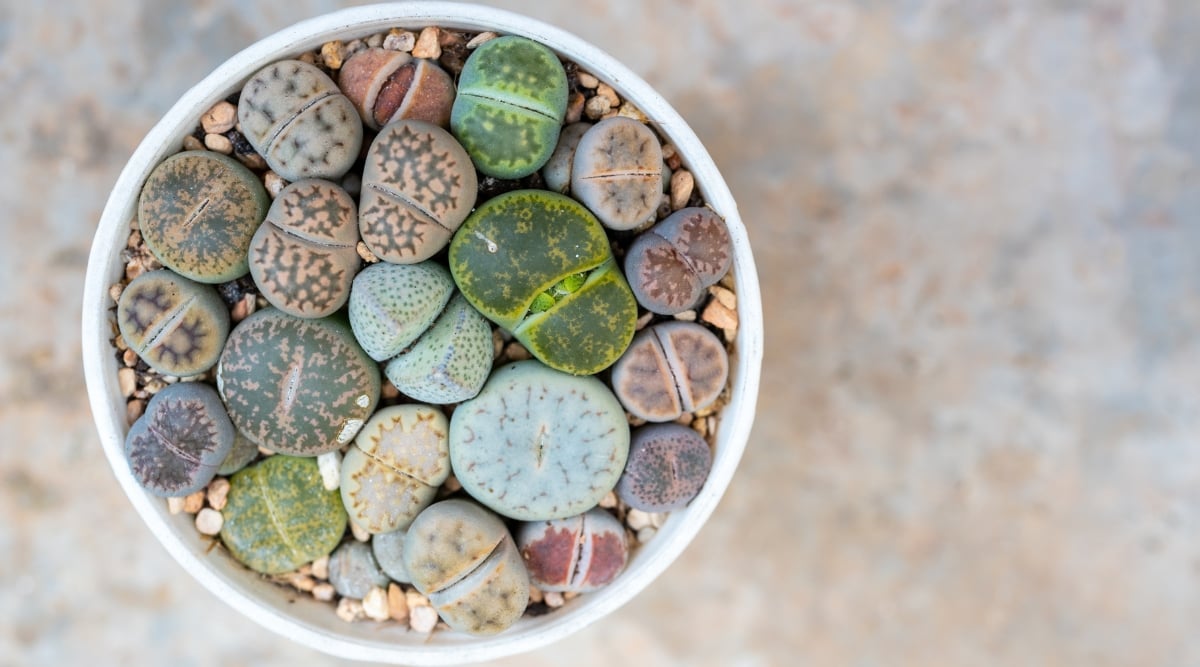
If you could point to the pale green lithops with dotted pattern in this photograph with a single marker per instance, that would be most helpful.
(279, 515)
(295, 117)
(297, 386)
(539, 264)
(176, 325)
(537, 443)
(512, 97)
(392, 304)
(450, 361)
(617, 172)
(176, 447)
(395, 467)
(197, 213)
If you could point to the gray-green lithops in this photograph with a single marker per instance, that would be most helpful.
(668, 465)
(450, 361)
(670, 368)
(617, 172)
(197, 213)
(240, 455)
(353, 570)
(388, 549)
(295, 117)
(176, 325)
(577, 554)
(537, 443)
(176, 446)
(670, 265)
(557, 171)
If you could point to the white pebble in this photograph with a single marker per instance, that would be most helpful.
(646, 534)
(330, 464)
(657, 519)
(415, 599)
(324, 591)
(400, 41)
(637, 519)
(361, 534)
(219, 143)
(320, 567)
(481, 38)
(175, 504)
(218, 493)
(375, 604)
(209, 521)
(422, 619)
(127, 381)
(349, 609)
(553, 599)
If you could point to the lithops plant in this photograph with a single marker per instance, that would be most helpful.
(295, 117)
(668, 465)
(671, 264)
(463, 558)
(537, 443)
(279, 515)
(297, 386)
(176, 325)
(176, 446)
(670, 368)
(197, 213)
(512, 98)
(394, 469)
(557, 171)
(578, 554)
(240, 455)
(418, 186)
(386, 86)
(539, 264)
(450, 361)
(617, 172)
(388, 549)
(303, 256)
(353, 570)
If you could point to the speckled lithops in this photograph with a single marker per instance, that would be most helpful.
(463, 558)
(418, 186)
(297, 386)
(176, 325)
(539, 264)
(577, 554)
(176, 446)
(667, 467)
(450, 361)
(512, 97)
(670, 368)
(197, 212)
(670, 265)
(303, 256)
(353, 570)
(279, 515)
(557, 171)
(295, 117)
(392, 304)
(387, 86)
(537, 443)
(393, 470)
(617, 172)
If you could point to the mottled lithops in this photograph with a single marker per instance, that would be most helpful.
(387, 86)
(398, 461)
(539, 264)
(668, 464)
(450, 361)
(557, 171)
(176, 446)
(577, 554)
(295, 117)
(392, 304)
(418, 186)
(240, 455)
(279, 515)
(303, 256)
(537, 443)
(353, 570)
(670, 265)
(462, 557)
(297, 386)
(388, 549)
(197, 213)
(617, 172)
(670, 368)
(176, 325)
(512, 97)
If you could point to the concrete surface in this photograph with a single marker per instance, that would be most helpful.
(978, 231)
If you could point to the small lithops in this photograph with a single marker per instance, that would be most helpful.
(197, 213)
(512, 98)
(176, 446)
(557, 171)
(578, 554)
(418, 186)
(463, 558)
(279, 515)
(297, 386)
(353, 570)
(386, 86)
(388, 549)
(670, 368)
(670, 265)
(303, 256)
(668, 465)
(240, 455)
(176, 325)
(537, 443)
(296, 118)
(617, 172)
(539, 264)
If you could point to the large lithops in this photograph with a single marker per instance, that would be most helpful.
(176, 325)
(417, 188)
(617, 172)
(539, 264)
(512, 97)
(298, 386)
(578, 554)
(537, 443)
(670, 368)
(295, 117)
(463, 558)
(279, 515)
(386, 86)
(668, 465)
(176, 446)
(197, 213)
(670, 265)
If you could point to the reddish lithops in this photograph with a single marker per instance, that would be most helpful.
(667, 466)
(670, 265)
(386, 86)
(617, 172)
(578, 554)
(670, 368)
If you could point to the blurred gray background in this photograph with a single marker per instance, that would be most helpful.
(977, 224)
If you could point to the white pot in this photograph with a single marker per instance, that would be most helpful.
(299, 617)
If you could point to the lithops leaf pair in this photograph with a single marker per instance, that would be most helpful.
(386, 86)
(577, 554)
(617, 172)
(670, 265)
(176, 325)
(176, 446)
(668, 465)
(670, 368)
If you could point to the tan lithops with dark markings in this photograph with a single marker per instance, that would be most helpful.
(386, 86)
(617, 172)
(176, 325)
(670, 368)
(670, 265)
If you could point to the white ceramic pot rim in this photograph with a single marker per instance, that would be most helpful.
(306, 621)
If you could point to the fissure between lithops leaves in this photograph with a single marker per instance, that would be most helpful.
(551, 296)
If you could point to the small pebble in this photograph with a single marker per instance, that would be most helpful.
(265, 452)
(497, 344)
(330, 464)
(361, 534)
(686, 316)
(725, 296)
(134, 409)
(682, 184)
(243, 308)
(218, 493)
(114, 292)
(366, 254)
(646, 534)
(220, 118)
(174, 505)
(320, 567)
(324, 591)
(120, 343)
(219, 143)
(396, 602)
(587, 80)
(399, 40)
(671, 156)
(349, 609)
(481, 38)
(644, 320)
(553, 599)
(596, 107)
(333, 53)
(375, 604)
(718, 315)
(129, 358)
(606, 91)
(308, 57)
(700, 426)
(301, 582)
(388, 390)
(352, 47)
(194, 502)
(209, 521)
(452, 484)
(127, 381)
(657, 519)
(515, 351)
(252, 161)
(422, 619)
(414, 599)
(609, 501)
(574, 108)
(191, 143)
(628, 110)
(427, 45)
(536, 595)
(274, 183)
(637, 519)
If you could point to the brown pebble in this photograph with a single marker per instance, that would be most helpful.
(672, 157)
(452, 484)
(375, 604)
(389, 391)
(725, 296)
(719, 315)
(366, 254)
(606, 91)
(134, 409)
(218, 492)
(308, 57)
(415, 599)
(587, 80)
(350, 610)
(449, 38)
(320, 567)
(252, 161)
(361, 534)
(700, 425)
(628, 110)
(244, 308)
(497, 344)
(396, 602)
(399, 40)
(174, 505)
(427, 45)
(536, 595)
(481, 38)
(194, 502)
(644, 320)
(333, 53)
(609, 500)
(154, 386)
(220, 118)
(129, 358)
(219, 143)
(191, 143)
(682, 183)
(134, 240)
(515, 351)
(375, 40)
(127, 381)
(274, 183)
(574, 108)
(422, 619)
(305, 569)
(114, 291)
(209, 521)
(324, 591)
(596, 107)
(301, 581)
(553, 599)
(121, 344)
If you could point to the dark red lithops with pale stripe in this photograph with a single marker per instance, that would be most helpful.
(176, 447)
(670, 265)
(577, 554)
(670, 368)
(667, 466)
(387, 86)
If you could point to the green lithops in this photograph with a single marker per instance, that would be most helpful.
(176, 447)
(512, 98)
(539, 264)
(176, 325)
(279, 515)
(197, 213)
(392, 304)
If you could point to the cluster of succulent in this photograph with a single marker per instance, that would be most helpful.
(428, 214)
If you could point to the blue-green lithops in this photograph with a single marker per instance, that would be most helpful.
(578, 554)
(450, 361)
(668, 465)
(617, 172)
(353, 570)
(176, 447)
(537, 443)
(670, 368)
(670, 265)
(176, 325)
(388, 549)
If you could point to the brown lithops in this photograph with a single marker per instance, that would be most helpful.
(668, 465)
(670, 265)
(386, 86)
(617, 172)
(670, 368)
(176, 325)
